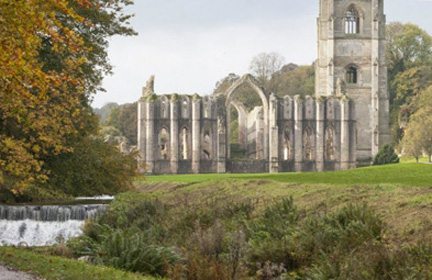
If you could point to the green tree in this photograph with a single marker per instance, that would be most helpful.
(407, 46)
(386, 155)
(409, 60)
(93, 168)
(124, 118)
(52, 57)
(418, 135)
(294, 80)
(105, 111)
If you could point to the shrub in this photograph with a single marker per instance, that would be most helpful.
(270, 236)
(92, 168)
(386, 155)
(134, 253)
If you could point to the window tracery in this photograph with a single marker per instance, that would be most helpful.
(352, 21)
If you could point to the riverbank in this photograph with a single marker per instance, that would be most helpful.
(7, 273)
(54, 268)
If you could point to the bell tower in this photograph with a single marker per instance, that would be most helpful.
(352, 53)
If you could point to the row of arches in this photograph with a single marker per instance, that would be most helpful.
(163, 105)
(309, 144)
(184, 144)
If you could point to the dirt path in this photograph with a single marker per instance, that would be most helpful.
(9, 274)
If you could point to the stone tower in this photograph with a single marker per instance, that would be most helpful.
(351, 61)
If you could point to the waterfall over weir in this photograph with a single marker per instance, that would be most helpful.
(44, 225)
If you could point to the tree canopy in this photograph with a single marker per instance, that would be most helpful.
(53, 57)
(409, 60)
(418, 135)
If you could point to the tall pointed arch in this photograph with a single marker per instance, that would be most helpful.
(250, 81)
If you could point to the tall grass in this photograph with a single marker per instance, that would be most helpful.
(225, 239)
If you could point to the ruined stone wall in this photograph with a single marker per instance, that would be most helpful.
(316, 135)
(181, 134)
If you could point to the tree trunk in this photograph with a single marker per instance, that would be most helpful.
(417, 159)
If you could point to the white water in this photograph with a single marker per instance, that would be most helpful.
(97, 197)
(38, 233)
(44, 225)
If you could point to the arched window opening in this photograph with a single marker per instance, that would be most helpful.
(164, 108)
(352, 21)
(287, 144)
(206, 145)
(206, 109)
(163, 144)
(329, 144)
(185, 109)
(351, 75)
(308, 144)
(184, 144)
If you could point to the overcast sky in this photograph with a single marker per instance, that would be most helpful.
(191, 44)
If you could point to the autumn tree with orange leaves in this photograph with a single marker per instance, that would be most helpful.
(52, 60)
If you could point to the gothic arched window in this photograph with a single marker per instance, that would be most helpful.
(164, 108)
(163, 144)
(351, 75)
(185, 109)
(206, 145)
(287, 144)
(184, 151)
(329, 144)
(308, 144)
(352, 21)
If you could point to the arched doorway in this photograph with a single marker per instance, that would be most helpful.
(257, 118)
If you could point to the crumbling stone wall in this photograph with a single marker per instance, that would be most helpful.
(188, 134)
(341, 127)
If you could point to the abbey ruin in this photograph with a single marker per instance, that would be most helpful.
(341, 127)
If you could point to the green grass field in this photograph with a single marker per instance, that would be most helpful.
(55, 268)
(404, 174)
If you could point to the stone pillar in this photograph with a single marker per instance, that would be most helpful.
(260, 139)
(375, 81)
(174, 134)
(345, 135)
(298, 134)
(141, 136)
(320, 135)
(221, 146)
(353, 138)
(273, 136)
(196, 134)
(151, 146)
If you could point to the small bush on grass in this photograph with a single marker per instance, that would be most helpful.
(281, 238)
(134, 253)
(386, 155)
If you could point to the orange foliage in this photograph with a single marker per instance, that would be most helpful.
(39, 110)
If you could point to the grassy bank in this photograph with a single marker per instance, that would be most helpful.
(220, 226)
(55, 268)
(355, 224)
(407, 174)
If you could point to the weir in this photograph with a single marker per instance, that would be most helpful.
(44, 225)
